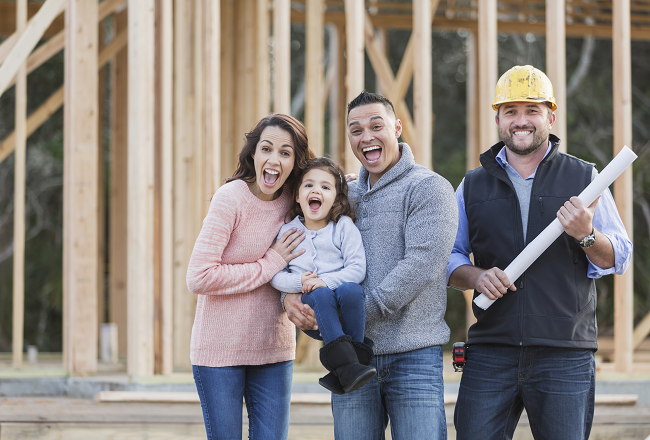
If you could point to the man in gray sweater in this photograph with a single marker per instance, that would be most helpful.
(408, 217)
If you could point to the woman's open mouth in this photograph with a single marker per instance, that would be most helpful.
(270, 177)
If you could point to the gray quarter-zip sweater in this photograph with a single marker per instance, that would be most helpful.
(408, 223)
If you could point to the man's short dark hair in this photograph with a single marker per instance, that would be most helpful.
(365, 98)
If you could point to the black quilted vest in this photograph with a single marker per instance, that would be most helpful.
(555, 302)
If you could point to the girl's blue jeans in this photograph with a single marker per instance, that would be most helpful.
(325, 302)
(266, 389)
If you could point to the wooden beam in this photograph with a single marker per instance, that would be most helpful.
(80, 187)
(35, 120)
(54, 102)
(314, 76)
(28, 40)
(622, 109)
(8, 18)
(556, 63)
(101, 188)
(119, 188)
(55, 44)
(472, 141)
(7, 45)
(213, 84)
(20, 177)
(355, 70)
(335, 104)
(140, 278)
(341, 141)
(229, 144)
(183, 169)
(282, 56)
(641, 331)
(422, 78)
(166, 124)
(263, 60)
(384, 74)
(487, 68)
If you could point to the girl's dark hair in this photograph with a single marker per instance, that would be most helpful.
(246, 166)
(341, 206)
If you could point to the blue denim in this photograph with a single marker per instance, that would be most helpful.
(555, 385)
(266, 389)
(408, 390)
(325, 303)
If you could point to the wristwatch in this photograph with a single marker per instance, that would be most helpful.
(589, 240)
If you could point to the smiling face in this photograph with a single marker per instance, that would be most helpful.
(373, 132)
(273, 160)
(316, 197)
(524, 126)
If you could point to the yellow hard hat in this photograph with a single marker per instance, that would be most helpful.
(524, 83)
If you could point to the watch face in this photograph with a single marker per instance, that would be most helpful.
(588, 241)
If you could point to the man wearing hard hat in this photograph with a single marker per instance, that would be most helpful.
(534, 347)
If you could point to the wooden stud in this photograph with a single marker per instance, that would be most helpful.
(314, 76)
(282, 56)
(641, 331)
(355, 56)
(28, 40)
(622, 103)
(166, 124)
(343, 145)
(7, 45)
(20, 177)
(140, 278)
(335, 104)
(101, 190)
(263, 62)
(229, 142)
(384, 74)
(556, 63)
(80, 189)
(119, 187)
(472, 138)
(245, 71)
(184, 302)
(487, 68)
(55, 44)
(55, 101)
(35, 120)
(422, 78)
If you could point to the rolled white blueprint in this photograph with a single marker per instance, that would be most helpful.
(536, 247)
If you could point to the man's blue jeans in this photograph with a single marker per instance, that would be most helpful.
(325, 303)
(555, 386)
(408, 390)
(266, 390)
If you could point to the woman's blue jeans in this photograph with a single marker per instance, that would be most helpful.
(325, 302)
(266, 389)
(408, 390)
(555, 385)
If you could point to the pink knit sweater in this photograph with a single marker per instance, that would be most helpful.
(239, 319)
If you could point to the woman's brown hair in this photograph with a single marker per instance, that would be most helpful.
(246, 167)
(341, 206)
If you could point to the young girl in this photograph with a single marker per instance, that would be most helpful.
(328, 274)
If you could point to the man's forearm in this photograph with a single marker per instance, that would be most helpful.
(464, 277)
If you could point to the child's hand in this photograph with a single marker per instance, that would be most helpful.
(305, 276)
(312, 283)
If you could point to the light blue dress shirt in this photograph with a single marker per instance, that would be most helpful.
(606, 220)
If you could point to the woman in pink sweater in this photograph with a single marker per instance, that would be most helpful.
(242, 344)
